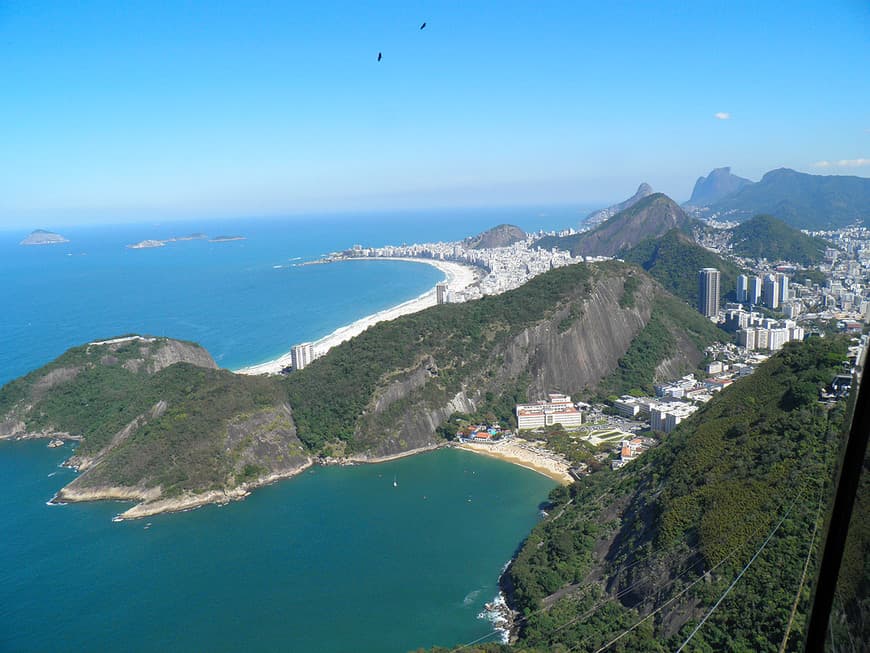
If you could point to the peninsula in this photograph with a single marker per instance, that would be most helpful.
(42, 237)
(173, 432)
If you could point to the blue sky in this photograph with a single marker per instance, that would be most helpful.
(114, 111)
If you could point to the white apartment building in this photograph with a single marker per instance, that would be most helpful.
(558, 409)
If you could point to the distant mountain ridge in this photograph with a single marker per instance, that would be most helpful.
(651, 217)
(597, 217)
(720, 183)
(802, 200)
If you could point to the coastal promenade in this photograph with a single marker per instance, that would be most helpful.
(458, 276)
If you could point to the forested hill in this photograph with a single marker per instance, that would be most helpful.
(765, 236)
(674, 260)
(803, 201)
(650, 217)
(160, 426)
(638, 557)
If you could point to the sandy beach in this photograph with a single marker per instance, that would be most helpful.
(458, 277)
(525, 455)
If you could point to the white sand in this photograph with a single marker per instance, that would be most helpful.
(458, 277)
(524, 454)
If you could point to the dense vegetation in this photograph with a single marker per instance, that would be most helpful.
(656, 343)
(623, 544)
(803, 201)
(674, 261)
(765, 236)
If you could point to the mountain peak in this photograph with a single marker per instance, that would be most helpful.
(718, 184)
(597, 217)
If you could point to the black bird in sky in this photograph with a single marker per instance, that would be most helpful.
(379, 56)
(423, 25)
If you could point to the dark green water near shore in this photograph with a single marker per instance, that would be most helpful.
(336, 559)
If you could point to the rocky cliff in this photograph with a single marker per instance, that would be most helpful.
(720, 183)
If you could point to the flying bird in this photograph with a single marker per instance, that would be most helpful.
(379, 56)
(423, 25)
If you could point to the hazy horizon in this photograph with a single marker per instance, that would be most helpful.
(163, 112)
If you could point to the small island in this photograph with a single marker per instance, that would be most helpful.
(152, 243)
(43, 237)
(147, 244)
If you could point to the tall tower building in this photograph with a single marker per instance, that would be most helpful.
(708, 292)
(742, 289)
(441, 292)
(771, 291)
(782, 282)
(754, 290)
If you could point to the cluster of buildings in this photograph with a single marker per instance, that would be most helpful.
(771, 291)
(506, 267)
(756, 332)
(664, 412)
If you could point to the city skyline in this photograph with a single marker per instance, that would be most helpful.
(167, 112)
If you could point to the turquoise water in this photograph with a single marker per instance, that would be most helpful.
(333, 560)
(336, 559)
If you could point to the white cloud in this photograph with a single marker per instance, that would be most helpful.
(843, 163)
(722, 115)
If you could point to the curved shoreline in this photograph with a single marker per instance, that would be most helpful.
(457, 275)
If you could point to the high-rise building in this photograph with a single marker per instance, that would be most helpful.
(782, 282)
(708, 292)
(742, 288)
(771, 291)
(302, 355)
(441, 290)
(754, 291)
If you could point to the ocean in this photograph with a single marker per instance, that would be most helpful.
(336, 559)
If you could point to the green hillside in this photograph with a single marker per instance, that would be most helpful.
(765, 236)
(642, 554)
(674, 261)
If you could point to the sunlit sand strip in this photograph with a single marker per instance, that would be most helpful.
(543, 462)
(458, 277)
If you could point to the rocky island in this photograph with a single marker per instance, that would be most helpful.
(226, 239)
(42, 237)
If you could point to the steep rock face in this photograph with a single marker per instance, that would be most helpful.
(571, 351)
(720, 183)
(597, 217)
(578, 357)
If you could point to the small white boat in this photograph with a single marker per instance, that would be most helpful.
(395, 482)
